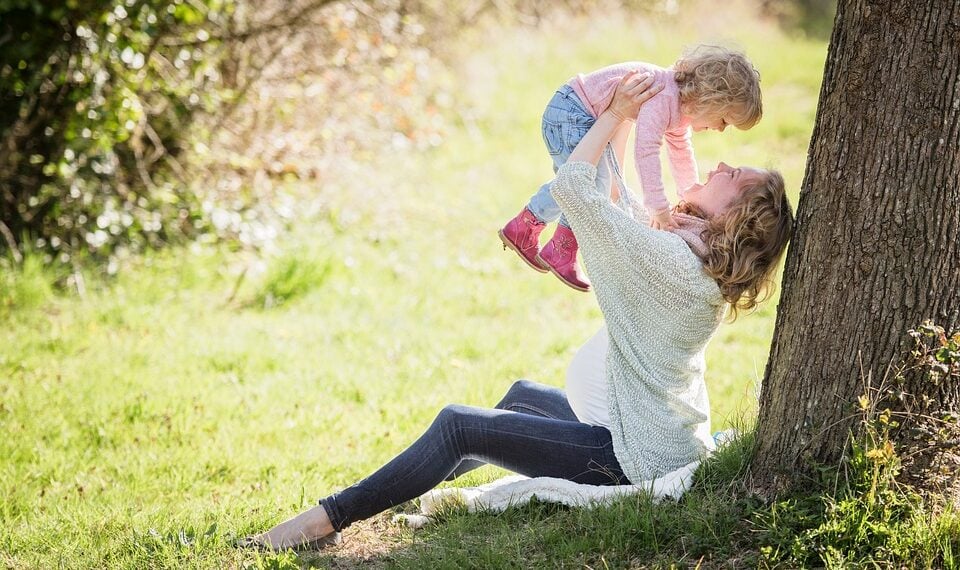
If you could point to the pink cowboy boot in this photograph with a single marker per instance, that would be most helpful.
(522, 235)
(560, 256)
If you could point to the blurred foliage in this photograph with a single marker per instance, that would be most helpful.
(94, 98)
(813, 18)
(130, 124)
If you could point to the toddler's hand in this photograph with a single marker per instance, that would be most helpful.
(663, 221)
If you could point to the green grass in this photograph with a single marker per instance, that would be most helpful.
(202, 395)
(289, 277)
(25, 286)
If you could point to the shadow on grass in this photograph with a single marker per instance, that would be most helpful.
(865, 521)
(706, 526)
(862, 521)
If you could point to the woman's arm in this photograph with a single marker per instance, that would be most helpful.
(608, 236)
(633, 91)
(619, 143)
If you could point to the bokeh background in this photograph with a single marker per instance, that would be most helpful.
(249, 250)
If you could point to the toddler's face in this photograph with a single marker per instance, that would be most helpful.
(710, 120)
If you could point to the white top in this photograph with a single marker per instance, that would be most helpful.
(660, 309)
(587, 381)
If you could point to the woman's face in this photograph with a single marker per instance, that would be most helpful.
(722, 187)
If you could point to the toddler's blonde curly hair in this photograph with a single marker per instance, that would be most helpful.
(745, 243)
(717, 80)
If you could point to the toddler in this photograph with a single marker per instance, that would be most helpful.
(709, 87)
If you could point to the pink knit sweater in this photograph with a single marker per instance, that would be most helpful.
(659, 119)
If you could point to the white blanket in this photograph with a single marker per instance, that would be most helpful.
(518, 490)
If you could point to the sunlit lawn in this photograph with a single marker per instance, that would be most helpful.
(149, 422)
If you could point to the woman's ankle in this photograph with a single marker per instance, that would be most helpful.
(306, 526)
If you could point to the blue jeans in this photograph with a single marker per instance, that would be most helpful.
(565, 122)
(532, 431)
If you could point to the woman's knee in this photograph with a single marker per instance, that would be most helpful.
(451, 415)
(519, 391)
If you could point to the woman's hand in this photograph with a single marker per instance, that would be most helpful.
(634, 90)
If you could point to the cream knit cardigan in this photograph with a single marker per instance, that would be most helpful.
(661, 309)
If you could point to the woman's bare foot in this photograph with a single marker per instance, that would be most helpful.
(308, 529)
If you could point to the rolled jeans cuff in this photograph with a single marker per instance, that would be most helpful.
(336, 517)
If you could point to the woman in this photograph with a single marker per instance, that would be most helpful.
(637, 406)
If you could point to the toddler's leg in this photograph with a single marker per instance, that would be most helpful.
(559, 255)
(522, 233)
(562, 130)
(565, 122)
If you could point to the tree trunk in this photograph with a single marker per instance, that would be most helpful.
(876, 249)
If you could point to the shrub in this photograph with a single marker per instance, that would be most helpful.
(131, 124)
(94, 98)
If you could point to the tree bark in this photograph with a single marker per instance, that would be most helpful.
(875, 251)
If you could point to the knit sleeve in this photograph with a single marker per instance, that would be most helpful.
(607, 235)
(660, 309)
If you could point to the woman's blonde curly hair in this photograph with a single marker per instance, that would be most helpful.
(745, 243)
(717, 80)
